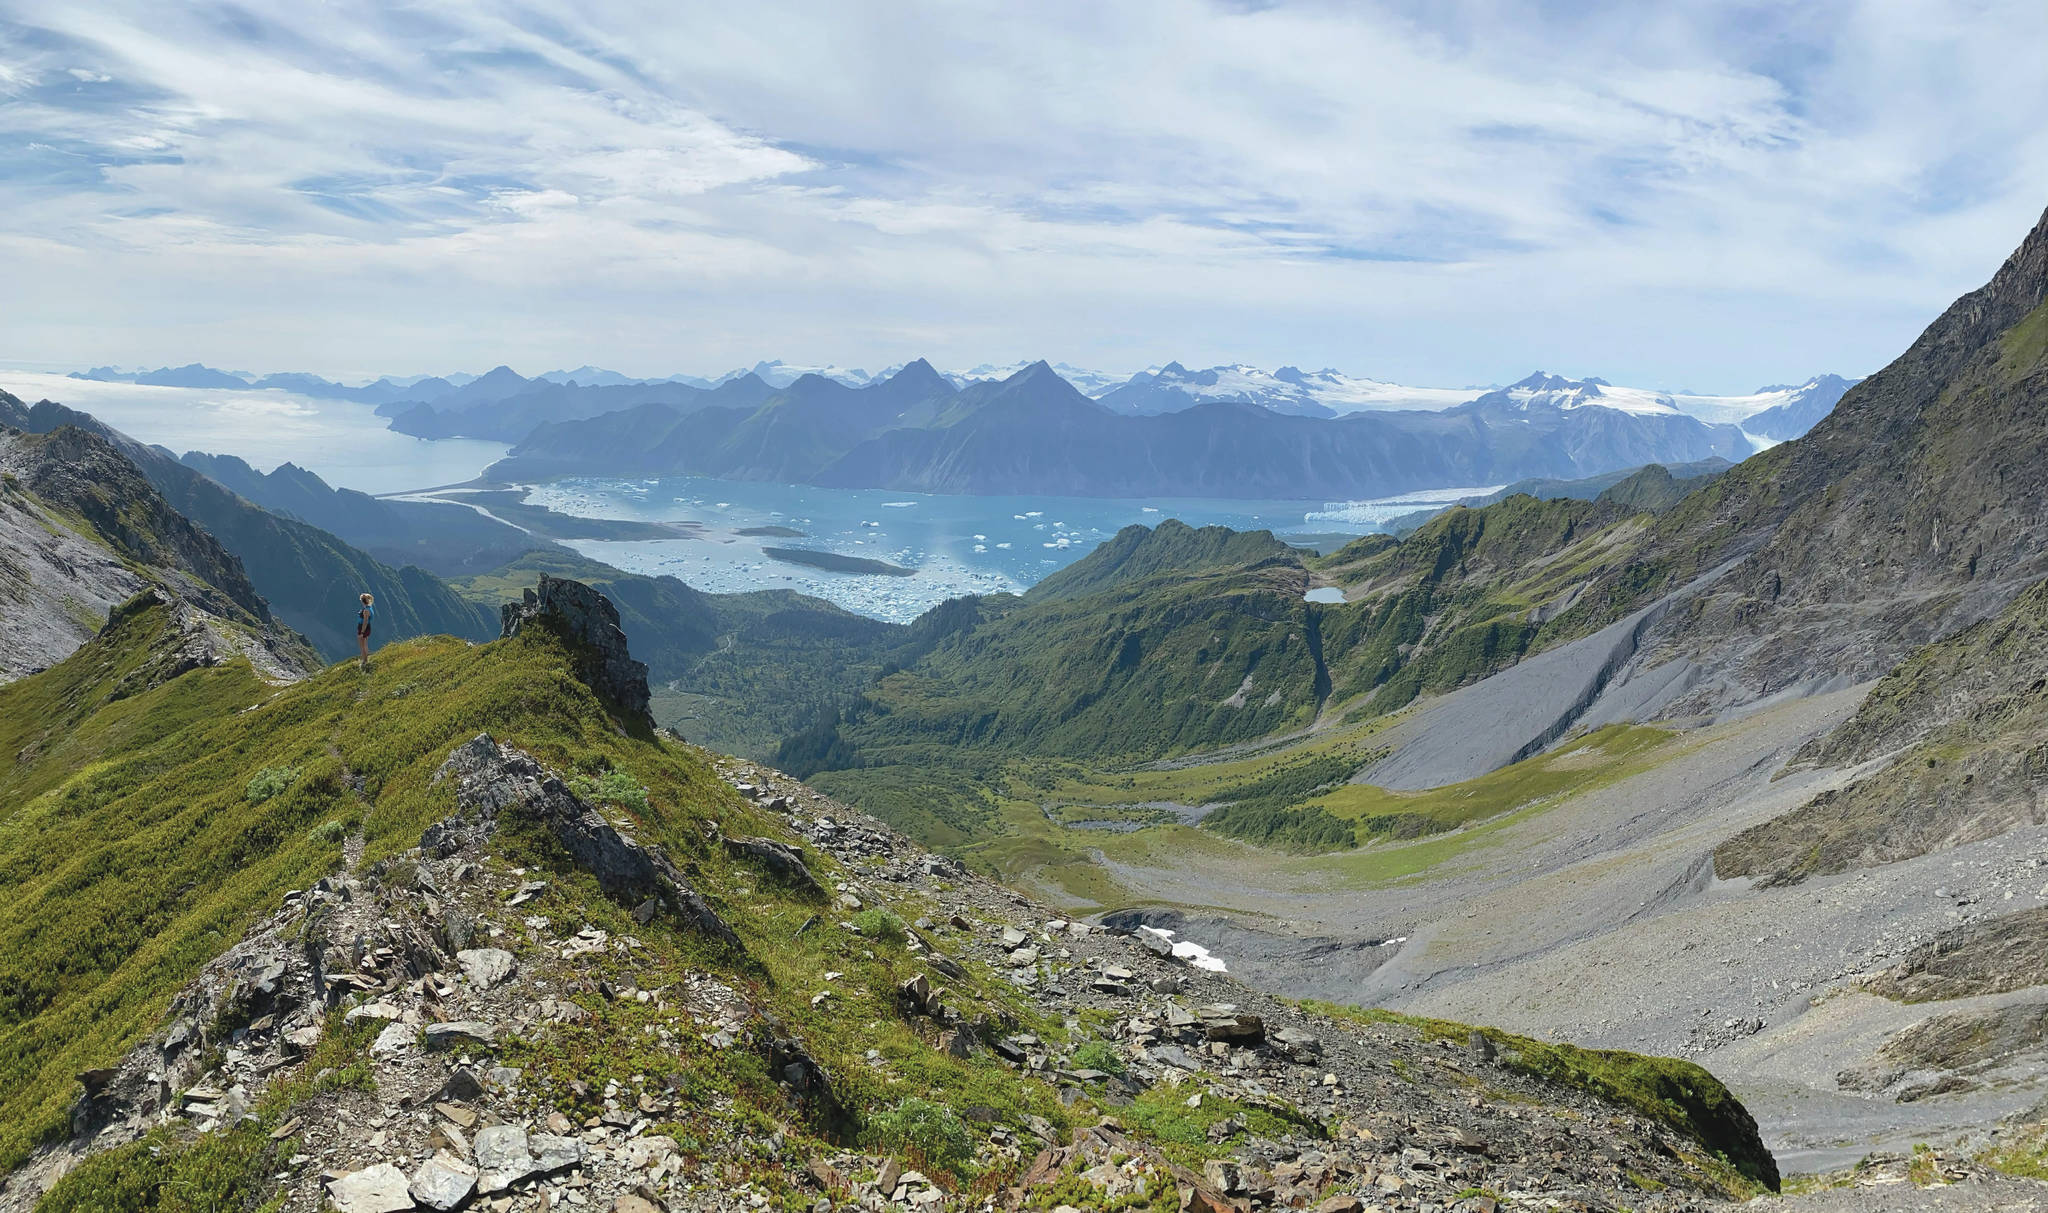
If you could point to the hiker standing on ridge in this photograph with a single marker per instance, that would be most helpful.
(364, 616)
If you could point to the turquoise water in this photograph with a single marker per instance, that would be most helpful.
(958, 545)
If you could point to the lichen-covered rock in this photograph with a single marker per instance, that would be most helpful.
(588, 620)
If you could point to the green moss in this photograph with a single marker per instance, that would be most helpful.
(219, 1173)
(1182, 1132)
(1099, 1055)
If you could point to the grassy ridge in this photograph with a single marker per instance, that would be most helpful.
(131, 853)
(143, 839)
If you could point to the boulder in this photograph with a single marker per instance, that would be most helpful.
(459, 1032)
(442, 1183)
(552, 1153)
(1236, 1029)
(396, 1038)
(379, 1189)
(502, 1158)
(485, 967)
(1298, 1045)
(781, 860)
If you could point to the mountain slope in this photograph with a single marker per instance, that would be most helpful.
(1964, 723)
(81, 532)
(1903, 516)
(734, 672)
(445, 539)
(374, 908)
(309, 578)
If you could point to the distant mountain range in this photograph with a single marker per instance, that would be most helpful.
(1035, 433)
(1233, 431)
(1785, 410)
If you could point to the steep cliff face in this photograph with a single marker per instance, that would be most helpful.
(81, 531)
(1910, 511)
(308, 577)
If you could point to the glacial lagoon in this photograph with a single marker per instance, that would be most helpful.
(957, 544)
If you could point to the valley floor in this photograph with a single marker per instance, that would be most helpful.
(1592, 914)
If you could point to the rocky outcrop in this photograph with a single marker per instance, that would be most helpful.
(590, 623)
(491, 780)
(2009, 952)
(779, 859)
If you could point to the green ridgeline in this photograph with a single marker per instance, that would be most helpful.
(1177, 641)
(144, 828)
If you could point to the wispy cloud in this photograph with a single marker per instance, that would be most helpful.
(1695, 195)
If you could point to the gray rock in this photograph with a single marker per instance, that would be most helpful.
(396, 1038)
(443, 1183)
(502, 1158)
(552, 1153)
(459, 1032)
(1236, 1029)
(491, 779)
(1156, 943)
(1298, 1044)
(485, 967)
(1173, 1055)
(590, 621)
(781, 860)
(379, 1189)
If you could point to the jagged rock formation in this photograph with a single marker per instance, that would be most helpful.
(589, 620)
(2009, 952)
(1964, 724)
(492, 779)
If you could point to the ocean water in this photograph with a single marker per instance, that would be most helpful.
(343, 443)
(957, 545)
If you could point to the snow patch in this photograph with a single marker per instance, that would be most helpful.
(1195, 954)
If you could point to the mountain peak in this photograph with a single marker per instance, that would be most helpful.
(920, 374)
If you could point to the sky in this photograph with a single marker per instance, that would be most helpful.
(1691, 195)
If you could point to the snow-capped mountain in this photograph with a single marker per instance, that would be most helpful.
(1772, 413)
(597, 376)
(777, 373)
(1555, 391)
(1092, 384)
(1324, 393)
(1778, 412)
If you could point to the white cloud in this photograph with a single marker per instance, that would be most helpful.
(1696, 196)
